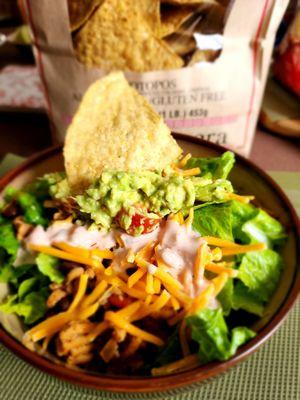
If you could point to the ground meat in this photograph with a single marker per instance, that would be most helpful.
(73, 342)
(56, 296)
(22, 228)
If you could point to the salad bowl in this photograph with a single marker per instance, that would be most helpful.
(247, 178)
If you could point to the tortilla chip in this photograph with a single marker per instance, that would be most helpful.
(80, 11)
(151, 13)
(117, 37)
(182, 44)
(172, 17)
(115, 128)
(213, 21)
(203, 56)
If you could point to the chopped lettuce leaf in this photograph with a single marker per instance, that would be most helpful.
(30, 203)
(213, 167)
(8, 242)
(213, 191)
(32, 209)
(260, 272)
(209, 330)
(58, 185)
(48, 265)
(27, 286)
(225, 297)
(253, 225)
(32, 307)
(241, 213)
(214, 220)
(243, 298)
(8, 249)
(264, 229)
(11, 274)
(50, 185)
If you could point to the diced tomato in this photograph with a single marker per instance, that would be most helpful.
(119, 301)
(149, 224)
(140, 219)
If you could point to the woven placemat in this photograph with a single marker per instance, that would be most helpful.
(272, 373)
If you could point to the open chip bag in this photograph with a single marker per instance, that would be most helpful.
(201, 63)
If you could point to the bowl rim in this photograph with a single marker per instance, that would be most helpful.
(127, 384)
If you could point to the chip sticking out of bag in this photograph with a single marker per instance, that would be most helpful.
(203, 56)
(151, 13)
(115, 128)
(80, 11)
(172, 17)
(182, 43)
(118, 37)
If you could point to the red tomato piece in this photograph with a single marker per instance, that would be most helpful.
(119, 301)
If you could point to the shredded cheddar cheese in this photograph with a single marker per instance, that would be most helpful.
(190, 218)
(200, 261)
(219, 282)
(83, 280)
(242, 199)
(110, 350)
(96, 293)
(180, 365)
(202, 300)
(219, 268)
(64, 255)
(191, 172)
(156, 285)
(120, 322)
(175, 303)
(135, 277)
(184, 160)
(149, 284)
(213, 241)
(240, 249)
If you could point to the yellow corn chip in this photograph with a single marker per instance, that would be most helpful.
(151, 13)
(182, 44)
(203, 55)
(80, 11)
(117, 37)
(115, 128)
(172, 17)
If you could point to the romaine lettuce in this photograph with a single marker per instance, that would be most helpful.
(31, 307)
(260, 272)
(209, 330)
(48, 266)
(213, 167)
(214, 220)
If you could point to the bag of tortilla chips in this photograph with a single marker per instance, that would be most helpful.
(201, 63)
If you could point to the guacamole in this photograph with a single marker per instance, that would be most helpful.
(117, 191)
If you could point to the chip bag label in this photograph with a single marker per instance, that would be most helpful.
(208, 88)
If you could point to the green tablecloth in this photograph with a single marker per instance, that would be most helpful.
(272, 373)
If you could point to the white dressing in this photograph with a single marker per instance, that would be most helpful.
(136, 243)
(72, 234)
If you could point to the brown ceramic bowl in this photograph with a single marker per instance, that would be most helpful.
(248, 179)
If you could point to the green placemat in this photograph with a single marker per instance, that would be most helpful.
(272, 373)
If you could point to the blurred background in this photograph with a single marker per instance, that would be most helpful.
(24, 125)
